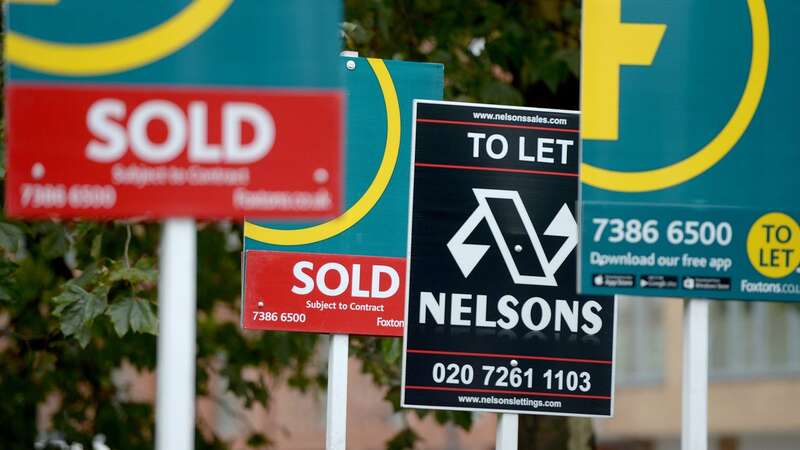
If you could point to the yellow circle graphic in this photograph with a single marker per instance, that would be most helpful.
(773, 245)
(105, 58)
(717, 148)
(370, 197)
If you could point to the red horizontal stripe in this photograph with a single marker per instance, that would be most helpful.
(498, 391)
(497, 125)
(496, 169)
(499, 355)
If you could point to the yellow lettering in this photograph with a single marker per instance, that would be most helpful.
(607, 44)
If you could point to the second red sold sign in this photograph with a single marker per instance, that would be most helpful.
(336, 293)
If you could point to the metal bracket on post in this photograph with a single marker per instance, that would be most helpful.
(336, 414)
(176, 351)
(694, 434)
(507, 430)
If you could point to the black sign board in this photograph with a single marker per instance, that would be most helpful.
(493, 321)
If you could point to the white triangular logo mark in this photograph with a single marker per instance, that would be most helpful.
(467, 256)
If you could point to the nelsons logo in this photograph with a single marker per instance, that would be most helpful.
(467, 256)
(507, 311)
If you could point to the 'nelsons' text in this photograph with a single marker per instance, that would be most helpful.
(535, 313)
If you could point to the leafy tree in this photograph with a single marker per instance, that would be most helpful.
(78, 299)
(524, 52)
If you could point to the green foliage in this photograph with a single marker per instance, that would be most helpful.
(258, 440)
(10, 237)
(405, 439)
(77, 310)
(494, 51)
(73, 310)
(134, 313)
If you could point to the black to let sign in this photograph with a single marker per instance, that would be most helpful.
(493, 321)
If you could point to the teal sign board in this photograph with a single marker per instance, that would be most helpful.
(379, 100)
(203, 105)
(300, 268)
(194, 42)
(689, 150)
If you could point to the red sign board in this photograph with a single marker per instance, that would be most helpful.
(322, 293)
(124, 151)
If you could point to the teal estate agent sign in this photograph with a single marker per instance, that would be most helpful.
(380, 95)
(203, 105)
(689, 153)
(294, 272)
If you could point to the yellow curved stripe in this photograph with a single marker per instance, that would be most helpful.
(119, 55)
(717, 148)
(371, 195)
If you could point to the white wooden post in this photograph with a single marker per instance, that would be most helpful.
(177, 311)
(336, 414)
(507, 431)
(694, 434)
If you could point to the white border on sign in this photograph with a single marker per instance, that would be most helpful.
(413, 157)
(526, 412)
(579, 218)
(613, 347)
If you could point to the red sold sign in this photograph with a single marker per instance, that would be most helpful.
(114, 151)
(319, 293)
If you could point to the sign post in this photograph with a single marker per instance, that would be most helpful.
(688, 190)
(507, 431)
(175, 395)
(695, 375)
(336, 407)
(118, 111)
(493, 320)
(344, 276)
